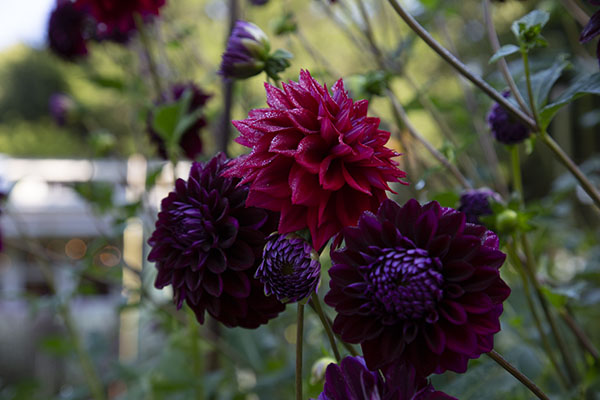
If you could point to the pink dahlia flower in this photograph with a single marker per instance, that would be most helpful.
(316, 158)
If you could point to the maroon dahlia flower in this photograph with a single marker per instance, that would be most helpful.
(417, 284)
(316, 158)
(290, 268)
(190, 142)
(115, 18)
(68, 29)
(351, 380)
(207, 245)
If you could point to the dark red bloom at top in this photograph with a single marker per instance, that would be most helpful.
(115, 18)
(68, 31)
(351, 380)
(417, 284)
(316, 157)
(207, 245)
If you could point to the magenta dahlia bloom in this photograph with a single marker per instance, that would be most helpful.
(317, 158)
(68, 31)
(417, 284)
(352, 380)
(290, 268)
(190, 142)
(207, 245)
(115, 18)
(504, 126)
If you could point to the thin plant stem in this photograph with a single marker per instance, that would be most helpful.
(458, 65)
(516, 170)
(141, 27)
(195, 350)
(562, 347)
(576, 12)
(502, 64)
(402, 120)
(511, 369)
(316, 304)
(299, 340)
(580, 334)
(223, 132)
(532, 106)
(589, 188)
(516, 261)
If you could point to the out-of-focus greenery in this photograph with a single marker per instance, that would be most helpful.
(112, 93)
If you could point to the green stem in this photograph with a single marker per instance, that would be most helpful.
(532, 106)
(195, 349)
(316, 304)
(516, 170)
(459, 66)
(518, 374)
(299, 340)
(516, 261)
(530, 270)
(141, 27)
(580, 334)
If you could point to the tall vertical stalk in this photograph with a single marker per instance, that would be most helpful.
(518, 374)
(299, 340)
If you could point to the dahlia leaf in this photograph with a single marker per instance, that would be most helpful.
(504, 51)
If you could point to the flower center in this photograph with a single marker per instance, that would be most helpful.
(407, 284)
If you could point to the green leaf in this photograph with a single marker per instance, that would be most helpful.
(589, 84)
(528, 29)
(165, 120)
(542, 82)
(504, 51)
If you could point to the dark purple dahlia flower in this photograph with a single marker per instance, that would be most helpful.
(475, 203)
(60, 105)
(417, 284)
(290, 268)
(247, 52)
(259, 2)
(68, 31)
(351, 380)
(207, 245)
(592, 29)
(504, 126)
(190, 142)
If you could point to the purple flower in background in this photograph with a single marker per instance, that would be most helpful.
(475, 203)
(247, 52)
(190, 142)
(417, 284)
(259, 2)
(504, 126)
(352, 380)
(115, 18)
(592, 29)
(207, 245)
(68, 29)
(60, 105)
(290, 268)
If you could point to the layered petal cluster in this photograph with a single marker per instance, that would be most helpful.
(290, 268)
(190, 142)
(68, 31)
(504, 126)
(352, 380)
(476, 203)
(592, 29)
(417, 284)
(207, 246)
(316, 158)
(115, 18)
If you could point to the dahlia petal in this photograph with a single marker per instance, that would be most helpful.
(426, 226)
(379, 351)
(591, 29)
(236, 285)
(240, 257)
(310, 153)
(457, 271)
(481, 279)
(323, 233)
(476, 303)
(451, 224)
(191, 280)
(498, 291)
(440, 245)
(435, 338)
(303, 120)
(463, 247)
(213, 284)
(264, 200)
(453, 312)
(452, 361)
(357, 181)
(292, 218)
(252, 218)
(163, 278)
(276, 98)
(331, 176)
(227, 232)
(303, 186)
(286, 143)
(460, 340)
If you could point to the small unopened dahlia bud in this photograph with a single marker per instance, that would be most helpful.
(247, 52)
(504, 126)
(290, 269)
(476, 203)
